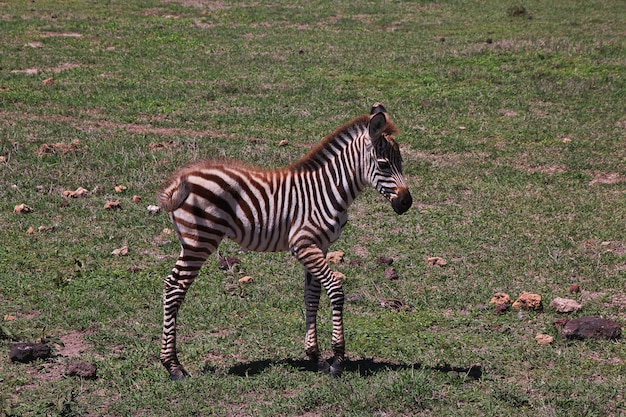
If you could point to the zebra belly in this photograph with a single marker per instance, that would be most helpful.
(262, 237)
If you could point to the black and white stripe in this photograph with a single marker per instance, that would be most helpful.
(301, 208)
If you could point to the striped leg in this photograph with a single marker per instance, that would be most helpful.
(175, 287)
(312, 290)
(313, 260)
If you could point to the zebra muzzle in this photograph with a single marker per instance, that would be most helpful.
(402, 202)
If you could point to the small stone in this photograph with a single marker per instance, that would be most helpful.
(500, 298)
(28, 352)
(436, 261)
(543, 339)
(335, 257)
(82, 369)
(528, 301)
(22, 209)
(152, 209)
(591, 327)
(245, 280)
(565, 305)
(390, 273)
(560, 323)
(382, 260)
(339, 276)
(112, 205)
(574, 288)
(123, 251)
(501, 308)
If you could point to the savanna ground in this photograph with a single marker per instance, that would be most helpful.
(513, 119)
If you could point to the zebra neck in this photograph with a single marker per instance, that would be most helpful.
(338, 167)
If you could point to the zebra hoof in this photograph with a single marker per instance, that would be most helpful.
(337, 367)
(336, 370)
(178, 374)
(323, 366)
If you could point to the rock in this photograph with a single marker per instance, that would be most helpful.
(383, 260)
(591, 327)
(501, 308)
(574, 288)
(335, 257)
(82, 369)
(500, 298)
(565, 305)
(436, 261)
(28, 352)
(544, 339)
(528, 301)
(560, 323)
(390, 273)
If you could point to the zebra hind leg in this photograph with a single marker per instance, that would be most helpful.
(175, 286)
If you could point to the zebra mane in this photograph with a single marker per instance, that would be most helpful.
(316, 157)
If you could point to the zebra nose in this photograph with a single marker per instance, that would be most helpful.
(402, 202)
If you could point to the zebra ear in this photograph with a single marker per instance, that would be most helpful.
(378, 123)
(377, 108)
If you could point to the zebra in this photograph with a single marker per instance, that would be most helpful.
(301, 208)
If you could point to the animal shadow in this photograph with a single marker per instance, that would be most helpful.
(364, 367)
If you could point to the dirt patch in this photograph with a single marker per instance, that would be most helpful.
(201, 4)
(608, 246)
(55, 70)
(91, 125)
(62, 35)
(543, 169)
(73, 345)
(607, 178)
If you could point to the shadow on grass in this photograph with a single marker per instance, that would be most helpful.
(363, 367)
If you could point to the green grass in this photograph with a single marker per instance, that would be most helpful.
(513, 130)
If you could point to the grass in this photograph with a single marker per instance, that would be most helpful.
(512, 119)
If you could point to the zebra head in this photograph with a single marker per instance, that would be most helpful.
(385, 168)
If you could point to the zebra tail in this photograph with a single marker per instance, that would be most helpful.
(173, 194)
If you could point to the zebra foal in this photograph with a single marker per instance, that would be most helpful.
(301, 208)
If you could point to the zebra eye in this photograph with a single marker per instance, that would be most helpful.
(383, 165)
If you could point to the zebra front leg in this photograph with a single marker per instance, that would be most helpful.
(312, 290)
(335, 293)
(314, 262)
(175, 287)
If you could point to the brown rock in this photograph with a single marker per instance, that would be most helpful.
(335, 257)
(436, 261)
(382, 260)
(500, 298)
(591, 327)
(528, 301)
(82, 369)
(501, 308)
(28, 352)
(543, 339)
(560, 323)
(574, 288)
(390, 273)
